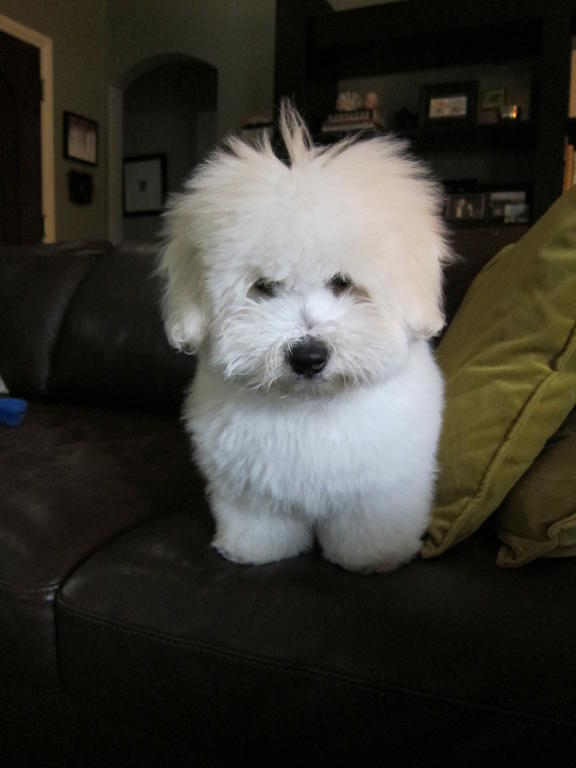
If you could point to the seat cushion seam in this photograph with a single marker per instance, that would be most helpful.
(16, 590)
(311, 672)
(58, 335)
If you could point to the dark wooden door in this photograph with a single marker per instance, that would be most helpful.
(21, 218)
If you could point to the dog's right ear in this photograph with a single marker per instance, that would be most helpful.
(183, 305)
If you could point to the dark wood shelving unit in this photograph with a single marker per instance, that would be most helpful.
(496, 137)
(352, 40)
(316, 47)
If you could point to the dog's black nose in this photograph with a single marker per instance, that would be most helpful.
(308, 356)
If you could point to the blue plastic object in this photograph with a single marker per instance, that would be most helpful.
(12, 411)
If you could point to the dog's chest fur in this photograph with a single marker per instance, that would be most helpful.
(310, 451)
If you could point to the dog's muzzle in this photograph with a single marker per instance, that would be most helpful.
(308, 356)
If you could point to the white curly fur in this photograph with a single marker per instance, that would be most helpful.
(346, 455)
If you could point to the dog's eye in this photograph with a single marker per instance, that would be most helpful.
(340, 283)
(264, 288)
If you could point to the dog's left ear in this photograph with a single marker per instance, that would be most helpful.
(429, 326)
(183, 303)
(425, 315)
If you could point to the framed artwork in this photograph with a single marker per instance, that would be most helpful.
(466, 207)
(144, 185)
(449, 103)
(516, 213)
(508, 206)
(80, 139)
(80, 187)
(493, 99)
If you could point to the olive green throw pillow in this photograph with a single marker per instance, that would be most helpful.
(538, 517)
(509, 360)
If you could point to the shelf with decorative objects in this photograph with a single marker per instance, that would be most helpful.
(443, 125)
(491, 136)
(508, 56)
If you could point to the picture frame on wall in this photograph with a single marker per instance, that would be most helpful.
(508, 206)
(449, 103)
(493, 99)
(516, 213)
(80, 187)
(466, 208)
(80, 139)
(144, 190)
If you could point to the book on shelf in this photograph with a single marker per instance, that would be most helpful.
(572, 99)
(356, 120)
(569, 167)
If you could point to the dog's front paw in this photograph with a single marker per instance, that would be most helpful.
(245, 555)
(365, 544)
(256, 539)
(380, 563)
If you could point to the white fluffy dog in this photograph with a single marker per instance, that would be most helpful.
(309, 289)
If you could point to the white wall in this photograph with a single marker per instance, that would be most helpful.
(234, 36)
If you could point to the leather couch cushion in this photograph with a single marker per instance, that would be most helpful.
(159, 631)
(36, 285)
(113, 349)
(71, 479)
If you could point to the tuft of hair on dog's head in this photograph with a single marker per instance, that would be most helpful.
(295, 134)
(294, 137)
(297, 139)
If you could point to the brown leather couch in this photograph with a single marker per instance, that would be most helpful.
(125, 640)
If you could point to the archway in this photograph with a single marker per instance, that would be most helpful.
(165, 107)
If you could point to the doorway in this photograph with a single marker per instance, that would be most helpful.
(21, 218)
(27, 135)
(165, 107)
